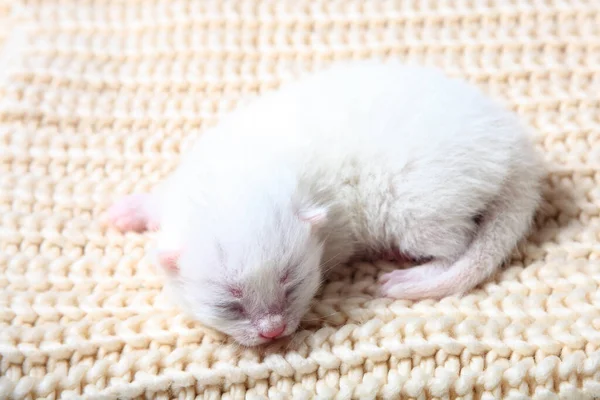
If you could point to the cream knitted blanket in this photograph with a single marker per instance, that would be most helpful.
(98, 98)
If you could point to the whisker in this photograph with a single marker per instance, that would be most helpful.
(331, 258)
(289, 343)
(321, 318)
(330, 268)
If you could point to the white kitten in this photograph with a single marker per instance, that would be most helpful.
(364, 158)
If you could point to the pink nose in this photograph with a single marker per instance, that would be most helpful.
(273, 333)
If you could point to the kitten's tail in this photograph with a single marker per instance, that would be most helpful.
(506, 221)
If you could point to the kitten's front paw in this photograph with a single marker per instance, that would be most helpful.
(132, 214)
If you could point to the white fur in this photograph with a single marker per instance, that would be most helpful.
(357, 159)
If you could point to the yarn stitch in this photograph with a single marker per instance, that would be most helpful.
(99, 98)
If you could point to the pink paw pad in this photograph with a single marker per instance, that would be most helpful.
(131, 214)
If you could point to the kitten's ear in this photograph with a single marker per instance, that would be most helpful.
(169, 260)
(316, 216)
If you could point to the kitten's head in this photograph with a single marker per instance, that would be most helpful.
(253, 282)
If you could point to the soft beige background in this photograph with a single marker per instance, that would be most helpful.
(97, 98)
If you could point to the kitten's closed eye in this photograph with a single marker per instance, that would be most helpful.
(291, 289)
(232, 310)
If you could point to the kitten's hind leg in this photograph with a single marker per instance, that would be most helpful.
(400, 282)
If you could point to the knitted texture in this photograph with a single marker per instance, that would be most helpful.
(99, 98)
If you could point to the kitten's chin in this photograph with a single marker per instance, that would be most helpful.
(246, 342)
